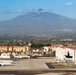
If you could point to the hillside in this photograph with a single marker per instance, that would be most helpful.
(38, 22)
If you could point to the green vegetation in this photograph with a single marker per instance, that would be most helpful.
(36, 41)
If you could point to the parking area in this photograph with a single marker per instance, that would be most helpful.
(29, 64)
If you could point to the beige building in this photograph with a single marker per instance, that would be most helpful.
(13, 49)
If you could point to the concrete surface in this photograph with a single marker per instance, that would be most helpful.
(30, 64)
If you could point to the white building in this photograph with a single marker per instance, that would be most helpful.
(62, 53)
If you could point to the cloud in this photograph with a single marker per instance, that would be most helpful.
(69, 3)
(21, 10)
(5, 12)
(41, 9)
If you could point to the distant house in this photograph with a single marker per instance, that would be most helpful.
(37, 51)
(46, 49)
(49, 50)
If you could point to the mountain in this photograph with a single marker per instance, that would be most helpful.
(38, 22)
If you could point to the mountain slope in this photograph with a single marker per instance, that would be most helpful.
(38, 23)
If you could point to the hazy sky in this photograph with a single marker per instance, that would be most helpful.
(12, 8)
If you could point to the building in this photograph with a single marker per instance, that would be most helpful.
(37, 51)
(66, 53)
(13, 49)
(49, 50)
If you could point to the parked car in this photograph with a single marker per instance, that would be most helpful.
(32, 56)
(4, 55)
(22, 56)
(6, 62)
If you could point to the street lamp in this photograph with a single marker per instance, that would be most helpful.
(29, 48)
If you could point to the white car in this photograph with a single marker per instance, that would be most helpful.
(6, 62)
(22, 56)
(5, 56)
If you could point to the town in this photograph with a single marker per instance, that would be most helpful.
(39, 53)
(26, 57)
(60, 52)
(37, 37)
